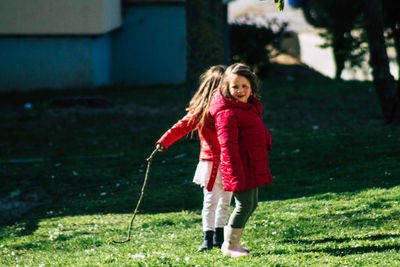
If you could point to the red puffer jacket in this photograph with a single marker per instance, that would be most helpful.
(209, 146)
(244, 142)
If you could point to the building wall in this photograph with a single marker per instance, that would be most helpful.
(59, 16)
(54, 63)
(151, 46)
(77, 44)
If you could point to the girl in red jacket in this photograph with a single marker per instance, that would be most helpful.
(216, 201)
(244, 143)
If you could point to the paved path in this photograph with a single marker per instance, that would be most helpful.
(311, 54)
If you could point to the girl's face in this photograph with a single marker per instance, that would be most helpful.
(239, 88)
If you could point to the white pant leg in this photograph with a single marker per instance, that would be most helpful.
(209, 206)
(223, 206)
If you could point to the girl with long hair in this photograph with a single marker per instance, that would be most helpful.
(216, 201)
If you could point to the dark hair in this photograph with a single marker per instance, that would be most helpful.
(241, 70)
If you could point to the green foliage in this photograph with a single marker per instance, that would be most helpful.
(351, 46)
(281, 4)
(392, 25)
(254, 40)
(342, 24)
(334, 200)
(391, 12)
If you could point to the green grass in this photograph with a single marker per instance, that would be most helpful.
(334, 200)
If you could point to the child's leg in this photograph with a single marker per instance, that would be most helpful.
(209, 206)
(254, 203)
(208, 216)
(224, 202)
(245, 204)
(222, 213)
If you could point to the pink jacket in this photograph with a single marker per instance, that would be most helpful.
(209, 146)
(244, 142)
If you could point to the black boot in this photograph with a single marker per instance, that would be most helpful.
(207, 241)
(219, 237)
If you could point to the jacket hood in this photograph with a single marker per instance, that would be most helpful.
(218, 103)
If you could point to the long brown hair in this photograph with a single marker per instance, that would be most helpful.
(198, 105)
(241, 70)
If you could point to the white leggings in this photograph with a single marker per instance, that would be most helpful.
(216, 206)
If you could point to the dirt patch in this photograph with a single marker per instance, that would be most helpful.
(17, 203)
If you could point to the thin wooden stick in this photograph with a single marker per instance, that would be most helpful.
(139, 201)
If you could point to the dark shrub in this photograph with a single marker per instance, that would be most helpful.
(254, 43)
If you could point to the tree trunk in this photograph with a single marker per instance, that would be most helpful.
(205, 28)
(396, 38)
(338, 53)
(384, 83)
(339, 62)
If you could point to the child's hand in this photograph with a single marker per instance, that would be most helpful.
(160, 147)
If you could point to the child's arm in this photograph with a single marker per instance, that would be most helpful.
(228, 136)
(180, 129)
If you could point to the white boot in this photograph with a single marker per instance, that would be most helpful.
(231, 246)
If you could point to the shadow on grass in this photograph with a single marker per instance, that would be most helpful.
(345, 249)
(338, 251)
(340, 240)
(355, 250)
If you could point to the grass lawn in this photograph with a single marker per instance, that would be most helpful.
(71, 178)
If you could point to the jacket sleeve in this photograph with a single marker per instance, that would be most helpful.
(269, 139)
(228, 137)
(177, 131)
